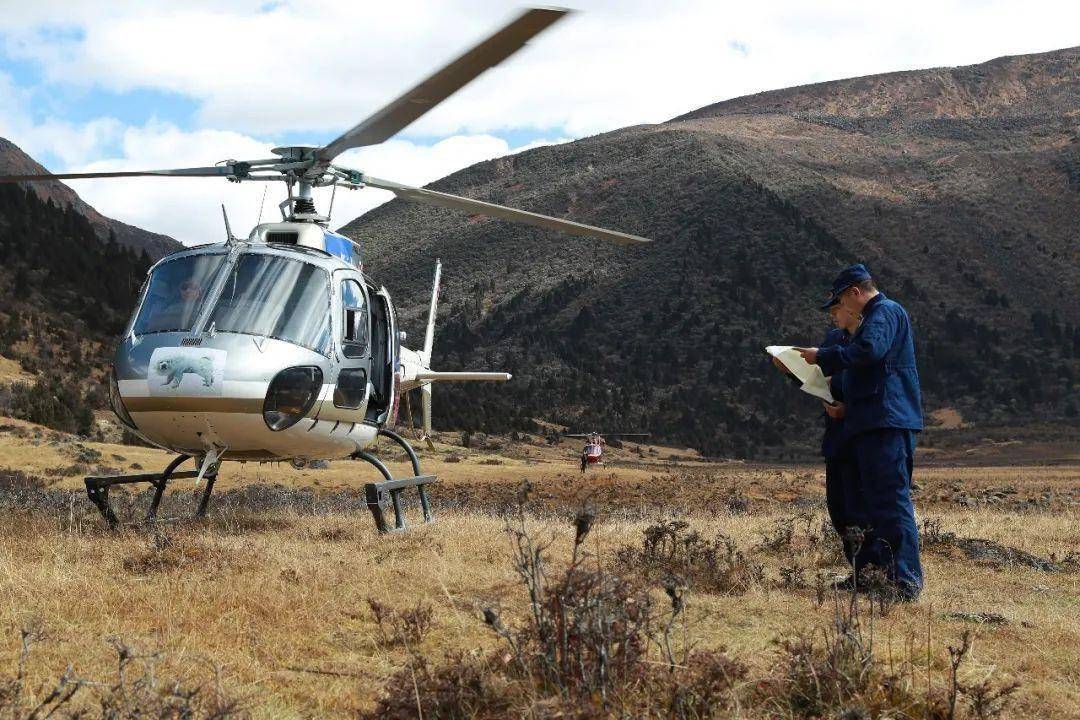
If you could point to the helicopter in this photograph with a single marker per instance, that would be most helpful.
(593, 452)
(279, 347)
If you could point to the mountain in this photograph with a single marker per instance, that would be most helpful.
(959, 187)
(14, 161)
(58, 319)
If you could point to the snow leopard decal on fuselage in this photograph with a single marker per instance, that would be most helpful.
(175, 367)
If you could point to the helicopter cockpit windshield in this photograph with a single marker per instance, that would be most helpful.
(176, 293)
(276, 297)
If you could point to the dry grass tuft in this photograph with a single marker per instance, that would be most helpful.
(401, 627)
(170, 550)
(673, 550)
(136, 691)
(835, 672)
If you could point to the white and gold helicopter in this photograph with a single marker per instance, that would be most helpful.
(278, 346)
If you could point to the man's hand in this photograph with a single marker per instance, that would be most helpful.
(782, 367)
(808, 354)
(835, 411)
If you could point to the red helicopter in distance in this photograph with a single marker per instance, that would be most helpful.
(593, 452)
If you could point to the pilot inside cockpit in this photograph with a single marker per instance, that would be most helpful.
(176, 293)
(190, 290)
(180, 312)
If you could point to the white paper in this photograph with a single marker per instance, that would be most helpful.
(813, 380)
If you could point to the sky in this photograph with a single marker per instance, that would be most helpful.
(143, 84)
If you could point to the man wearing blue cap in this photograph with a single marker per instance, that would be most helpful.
(882, 413)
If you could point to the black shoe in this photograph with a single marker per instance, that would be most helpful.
(893, 592)
(906, 593)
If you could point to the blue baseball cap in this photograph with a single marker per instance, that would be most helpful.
(848, 276)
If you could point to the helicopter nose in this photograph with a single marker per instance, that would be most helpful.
(116, 402)
(251, 396)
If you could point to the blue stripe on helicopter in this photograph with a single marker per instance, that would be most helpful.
(340, 246)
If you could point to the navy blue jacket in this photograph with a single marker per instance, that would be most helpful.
(833, 441)
(880, 381)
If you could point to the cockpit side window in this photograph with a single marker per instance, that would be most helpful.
(276, 297)
(175, 294)
(354, 341)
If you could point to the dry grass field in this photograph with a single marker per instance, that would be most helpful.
(290, 603)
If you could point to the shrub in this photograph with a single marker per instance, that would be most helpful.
(54, 402)
(673, 549)
(585, 649)
(833, 672)
(402, 627)
(460, 687)
(587, 633)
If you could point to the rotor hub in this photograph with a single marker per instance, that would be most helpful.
(295, 153)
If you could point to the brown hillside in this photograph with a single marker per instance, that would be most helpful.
(15, 162)
(959, 188)
(1005, 87)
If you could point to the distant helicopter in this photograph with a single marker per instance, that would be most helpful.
(279, 347)
(593, 452)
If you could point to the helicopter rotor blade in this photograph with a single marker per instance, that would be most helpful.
(403, 111)
(214, 171)
(456, 202)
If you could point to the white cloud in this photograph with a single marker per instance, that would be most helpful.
(71, 143)
(322, 65)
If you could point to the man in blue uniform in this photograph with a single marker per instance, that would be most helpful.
(882, 413)
(841, 475)
(841, 471)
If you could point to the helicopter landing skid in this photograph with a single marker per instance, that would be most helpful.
(385, 495)
(97, 488)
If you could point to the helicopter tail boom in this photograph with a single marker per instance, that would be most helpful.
(433, 376)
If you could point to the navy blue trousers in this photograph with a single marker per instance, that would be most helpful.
(841, 496)
(885, 458)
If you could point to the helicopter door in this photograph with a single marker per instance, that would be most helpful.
(384, 345)
(353, 389)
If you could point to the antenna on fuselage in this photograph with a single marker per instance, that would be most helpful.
(228, 228)
(262, 203)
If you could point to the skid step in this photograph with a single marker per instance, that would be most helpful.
(97, 489)
(386, 495)
(382, 496)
